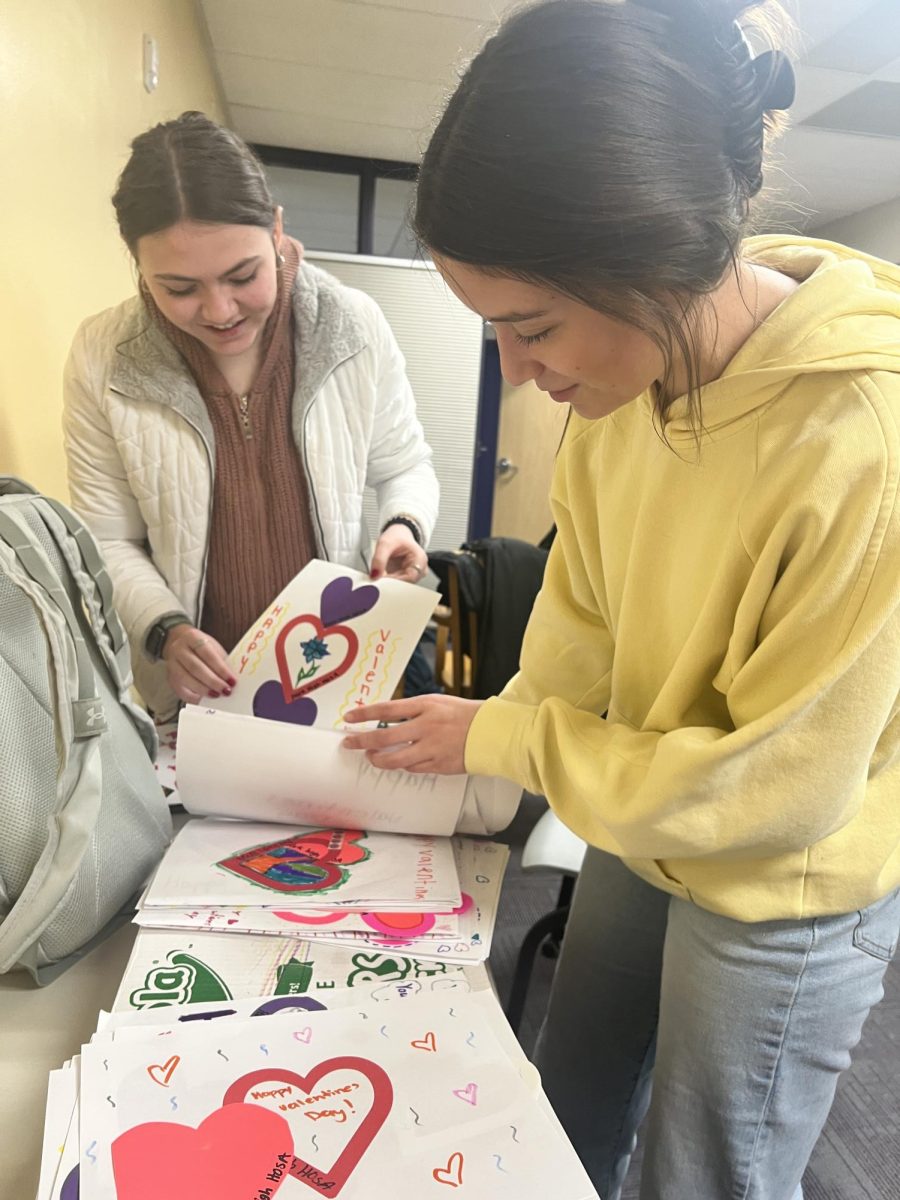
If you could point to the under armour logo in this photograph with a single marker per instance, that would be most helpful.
(94, 714)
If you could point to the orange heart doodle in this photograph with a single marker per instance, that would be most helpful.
(166, 1070)
(425, 1043)
(452, 1173)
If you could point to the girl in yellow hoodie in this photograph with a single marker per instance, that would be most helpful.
(708, 692)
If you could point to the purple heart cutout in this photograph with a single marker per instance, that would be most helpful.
(269, 702)
(71, 1188)
(341, 601)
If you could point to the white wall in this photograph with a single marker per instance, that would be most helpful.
(442, 343)
(874, 230)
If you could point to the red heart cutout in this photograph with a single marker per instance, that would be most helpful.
(231, 1155)
(328, 1181)
(322, 631)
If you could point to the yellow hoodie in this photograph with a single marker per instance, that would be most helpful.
(736, 615)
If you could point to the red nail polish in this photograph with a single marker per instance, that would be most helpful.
(232, 682)
(227, 691)
(376, 574)
(214, 695)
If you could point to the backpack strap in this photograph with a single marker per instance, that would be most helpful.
(96, 568)
(88, 717)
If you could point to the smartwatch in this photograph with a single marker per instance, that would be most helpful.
(156, 639)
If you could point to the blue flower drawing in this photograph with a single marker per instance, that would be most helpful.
(314, 649)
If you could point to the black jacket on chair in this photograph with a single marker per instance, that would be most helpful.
(499, 579)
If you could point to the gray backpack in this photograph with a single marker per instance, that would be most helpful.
(83, 820)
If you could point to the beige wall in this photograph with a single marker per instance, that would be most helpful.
(875, 230)
(72, 98)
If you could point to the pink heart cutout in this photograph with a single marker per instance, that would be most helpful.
(469, 1093)
(231, 1155)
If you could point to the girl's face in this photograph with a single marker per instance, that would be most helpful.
(575, 354)
(218, 283)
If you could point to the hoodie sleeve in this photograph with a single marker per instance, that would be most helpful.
(811, 682)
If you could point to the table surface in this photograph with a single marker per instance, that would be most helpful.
(42, 1027)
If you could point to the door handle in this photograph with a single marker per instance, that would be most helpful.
(506, 468)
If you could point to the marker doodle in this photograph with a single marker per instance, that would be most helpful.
(225, 1056)
(452, 1013)
(470, 1040)
(416, 1115)
(106, 1064)
(112, 1102)
(513, 1128)
(315, 1143)
(499, 1161)
(265, 1049)
(174, 1103)
(88, 1154)
(382, 1029)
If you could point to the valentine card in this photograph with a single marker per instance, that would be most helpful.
(332, 640)
(481, 866)
(302, 922)
(427, 1096)
(227, 862)
(237, 766)
(171, 967)
(62, 1099)
(470, 979)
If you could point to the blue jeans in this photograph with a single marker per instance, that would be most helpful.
(742, 1029)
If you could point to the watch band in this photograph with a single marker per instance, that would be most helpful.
(155, 641)
(410, 525)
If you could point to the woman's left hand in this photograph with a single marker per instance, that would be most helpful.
(430, 736)
(398, 555)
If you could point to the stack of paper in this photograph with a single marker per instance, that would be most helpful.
(435, 897)
(363, 1100)
(332, 641)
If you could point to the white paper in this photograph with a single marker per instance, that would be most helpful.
(333, 639)
(238, 766)
(384, 1109)
(173, 967)
(235, 862)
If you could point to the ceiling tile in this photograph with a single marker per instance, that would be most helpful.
(326, 92)
(873, 109)
(864, 44)
(356, 37)
(331, 134)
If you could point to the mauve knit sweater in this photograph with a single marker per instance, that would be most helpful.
(261, 531)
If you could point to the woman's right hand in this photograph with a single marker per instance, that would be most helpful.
(197, 665)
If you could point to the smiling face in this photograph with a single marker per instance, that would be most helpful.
(218, 283)
(574, 353)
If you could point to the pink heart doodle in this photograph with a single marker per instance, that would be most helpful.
(469, 1093)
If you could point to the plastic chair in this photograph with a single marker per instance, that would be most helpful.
(550, 846)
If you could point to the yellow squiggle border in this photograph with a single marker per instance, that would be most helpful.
(273, 632)
(374, 637)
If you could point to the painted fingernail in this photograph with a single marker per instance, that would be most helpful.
(228, 691)
(232, 682)
(214, 695)
(376, 574)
